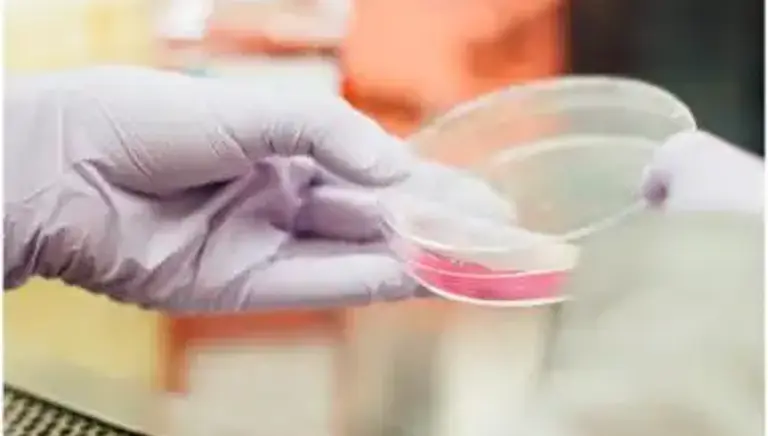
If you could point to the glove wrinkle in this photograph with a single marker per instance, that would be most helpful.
(177, 193)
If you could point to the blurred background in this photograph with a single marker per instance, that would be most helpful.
(399, 369)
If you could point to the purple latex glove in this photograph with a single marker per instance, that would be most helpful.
(697, 171)
(191, 194)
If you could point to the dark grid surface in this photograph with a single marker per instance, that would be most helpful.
(27, 415)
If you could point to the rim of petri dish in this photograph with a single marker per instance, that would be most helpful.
(570, 236)
(498, 304)
(557, 83)
(679, 110)
(573, 235)
(387, 223)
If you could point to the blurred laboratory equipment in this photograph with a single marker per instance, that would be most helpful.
(180, 29)
(279, 372)
(440, 368)
(86, 32)
(25, 414)
(662, 42)
(287, 43)
(406, 61)
(284, 43)
(667, 329)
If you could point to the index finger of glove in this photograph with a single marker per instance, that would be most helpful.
(326, 128)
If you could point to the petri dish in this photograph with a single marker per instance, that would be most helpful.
(568, 153)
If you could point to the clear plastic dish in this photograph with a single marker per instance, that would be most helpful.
(568, 153)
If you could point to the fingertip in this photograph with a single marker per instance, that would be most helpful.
(654, 186)
(342, 213)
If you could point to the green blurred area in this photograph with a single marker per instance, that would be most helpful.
(708, 52)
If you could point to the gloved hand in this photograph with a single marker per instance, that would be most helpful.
(192, 194)
(697, 171)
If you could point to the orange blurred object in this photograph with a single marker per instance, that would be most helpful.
(274, 28)
(405, 61)
(240, 31)
(186, 331)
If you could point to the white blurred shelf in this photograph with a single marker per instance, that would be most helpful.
(300, 74)
(259, 389)
(489, 362)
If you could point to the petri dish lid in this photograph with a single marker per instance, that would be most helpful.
(567, 153)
